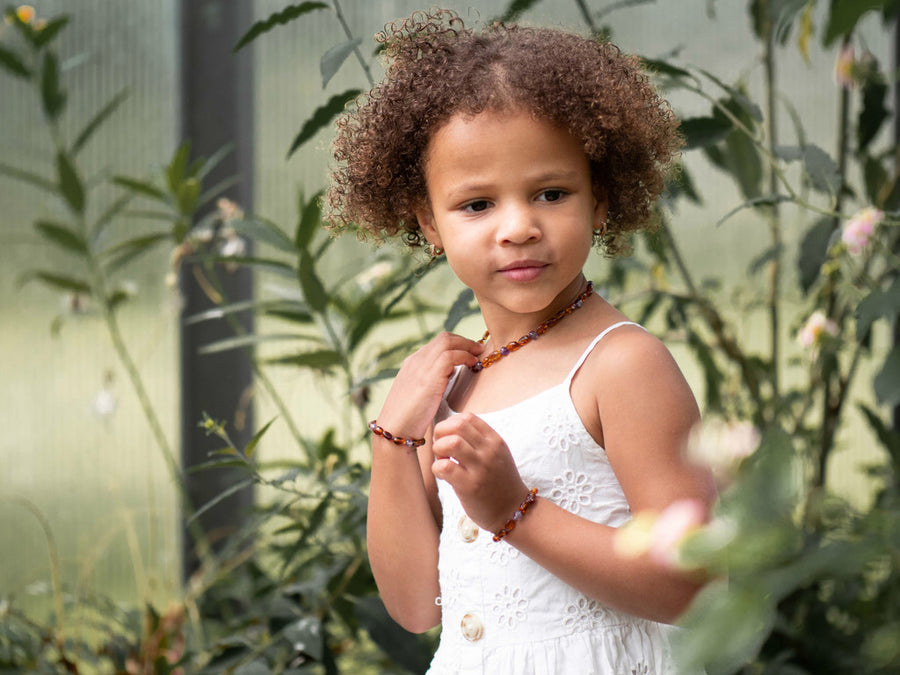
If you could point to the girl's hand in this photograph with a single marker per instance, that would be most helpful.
(414, 397)
(475, 460)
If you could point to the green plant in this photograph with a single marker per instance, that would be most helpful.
(814, 592)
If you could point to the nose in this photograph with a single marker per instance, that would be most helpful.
(519, 224)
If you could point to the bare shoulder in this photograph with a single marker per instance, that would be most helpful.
(646, 411)
(631, 363)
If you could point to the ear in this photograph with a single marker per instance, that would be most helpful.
(601, 210)
(425, 219)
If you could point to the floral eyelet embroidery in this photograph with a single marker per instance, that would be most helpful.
(641, 669)
(510, 606)
(558, 431)
(584, 614)
(572, 491)
(502, 553)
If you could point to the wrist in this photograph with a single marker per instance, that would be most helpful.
(517, 515)
(411, 443)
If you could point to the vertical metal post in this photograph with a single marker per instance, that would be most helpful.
(896, 415)
(217, 110)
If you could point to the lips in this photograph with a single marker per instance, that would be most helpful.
(523, 270)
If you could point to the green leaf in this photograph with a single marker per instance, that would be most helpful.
(683, 184)
(305, 637)
(141, 187)
(102, 115)
(889, 438)
(664, 68)
(765, 200)
(872, 115)
(278, 267)
(876, 305)
(313, 290)
(186, 195)
(711, 374)
(52, 97)
(54, 280)
(309, 221)
(244, 341)
(771, 254)
(737, 98)
(876, 177)
(12, 63)
(50, 30)
(813, 250)
(70, 184)
(62, 236)
(251, 445)
(208, 164)
(823, 172)
(322, 117)
(727, 625)
(334, 58)
(362, 320)
(461, 308)
(117, 256)
(702, 131)
(516, 8)
(176, 171)
(844, 16)
(288, 14)
(403, 647)
(225, 494)
(28, 177)
(107, 216)
(323, 360)
(887, 381)
(260, 229)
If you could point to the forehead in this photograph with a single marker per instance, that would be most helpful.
(501, 146)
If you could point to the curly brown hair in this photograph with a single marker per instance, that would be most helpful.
(438, 68)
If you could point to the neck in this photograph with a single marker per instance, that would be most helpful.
(507, 326)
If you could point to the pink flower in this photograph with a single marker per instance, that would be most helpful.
(675, 524)
(844, 67)
(859, 229)
(722, 446)
(816, 326)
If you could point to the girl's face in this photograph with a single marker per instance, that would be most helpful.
(511, 203)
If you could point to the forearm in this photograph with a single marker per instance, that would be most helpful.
(581, 553)
(402, 538)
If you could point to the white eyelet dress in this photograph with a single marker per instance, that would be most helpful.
(502, 613)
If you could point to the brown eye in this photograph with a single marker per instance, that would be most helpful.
(476, 207)
(551, 195)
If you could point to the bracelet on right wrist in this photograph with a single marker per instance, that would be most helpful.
(411, 443)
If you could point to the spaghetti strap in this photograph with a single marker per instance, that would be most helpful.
(590, 348)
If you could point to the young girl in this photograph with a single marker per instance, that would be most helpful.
(501, 468)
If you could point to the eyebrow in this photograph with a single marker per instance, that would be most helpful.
(475, 186)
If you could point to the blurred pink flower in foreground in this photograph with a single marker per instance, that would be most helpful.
(661, 535)
(859, 229)
(722, 446)
(844, 67)
(816, 326)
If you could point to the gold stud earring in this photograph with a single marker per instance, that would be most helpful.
(436, 251)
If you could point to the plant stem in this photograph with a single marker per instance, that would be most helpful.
(586, 15)
(834, 385)
(350, 36)
(53, 553)
(774, 212)
(714, 320)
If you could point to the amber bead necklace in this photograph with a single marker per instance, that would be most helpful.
(510, 347)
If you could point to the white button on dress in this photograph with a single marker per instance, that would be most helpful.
(471, 627)
(468, 530)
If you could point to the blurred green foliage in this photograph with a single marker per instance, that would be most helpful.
(802, 581)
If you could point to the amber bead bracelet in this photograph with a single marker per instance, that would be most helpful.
(518, 515)
(411, 443)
